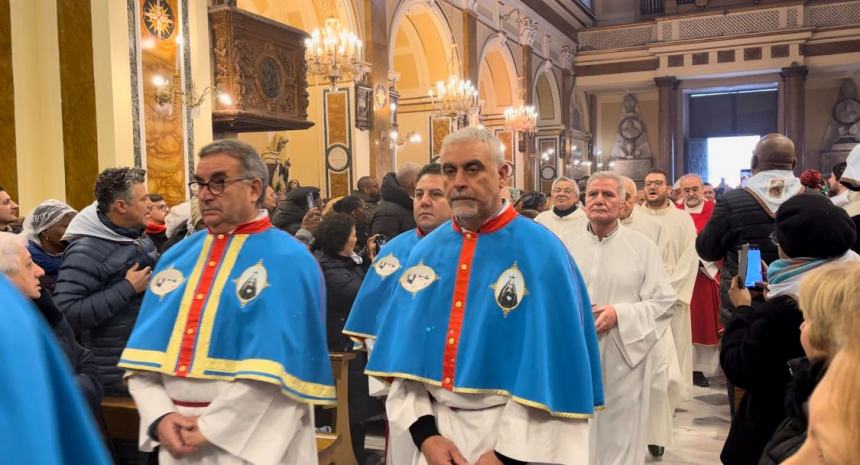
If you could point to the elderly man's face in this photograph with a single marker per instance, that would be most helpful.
(237, 204)
(430, 206)
(564, 195)
(602, 201)
(692, 191)
(26, 279)
(472, 181)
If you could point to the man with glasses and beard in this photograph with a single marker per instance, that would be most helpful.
(229, 353)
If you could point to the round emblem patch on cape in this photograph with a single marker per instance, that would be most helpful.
(251, 283)
(166, 281)
(509, 289)
(417, 278)
(386, 266)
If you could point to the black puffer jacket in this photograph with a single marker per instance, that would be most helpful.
(754, 354)
(393, 214)
(738, 218)
(80, 357)
(343, 278)
(100, 304)
(791, 433)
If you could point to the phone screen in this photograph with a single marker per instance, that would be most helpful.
(746, 174)
(310, 199)
(753, 267)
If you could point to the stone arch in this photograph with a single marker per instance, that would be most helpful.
(497, 77)
(547, 97)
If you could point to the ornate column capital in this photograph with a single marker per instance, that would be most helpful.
(528, 31)
(566, 56)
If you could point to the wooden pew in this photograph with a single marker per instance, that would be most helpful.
(121, 421)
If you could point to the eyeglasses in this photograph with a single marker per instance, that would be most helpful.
(773, 238)
(654, 183)
(215, 186)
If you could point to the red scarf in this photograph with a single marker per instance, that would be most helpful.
(155, 228)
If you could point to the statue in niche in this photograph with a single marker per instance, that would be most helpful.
(843, 130)
(279, 169)
(631, 142)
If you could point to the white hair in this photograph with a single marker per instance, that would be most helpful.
(470, 134)
(628, 180)
(691, 175)
(407, 173)
(567, 179)
(10, 249)
(622, 192)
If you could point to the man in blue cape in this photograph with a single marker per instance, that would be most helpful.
(228, 355)
(489, 337)
(431, 210)
(45, 418)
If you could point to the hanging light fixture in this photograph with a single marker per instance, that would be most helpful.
(455, 98)
(521, 119)
(333, 52)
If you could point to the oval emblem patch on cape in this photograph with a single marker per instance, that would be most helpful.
(509, 289)
(166, 281)
(251, 283)
(386, 266)
(417, 278)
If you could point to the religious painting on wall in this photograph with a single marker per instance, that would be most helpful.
(363, 106)
(162, 121)
(439, 128)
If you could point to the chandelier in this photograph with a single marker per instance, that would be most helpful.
(454, 97)
(334, 52)
(521, 119)
(169, 93)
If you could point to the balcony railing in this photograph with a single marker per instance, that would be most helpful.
(720, 24)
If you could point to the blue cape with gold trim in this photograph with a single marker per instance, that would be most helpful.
(237, 306)
(502, 312)
(380, 281)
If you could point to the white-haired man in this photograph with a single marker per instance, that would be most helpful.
(213, 365)
(472, 323)
(565, 213)
(630, 295)
(705, 303)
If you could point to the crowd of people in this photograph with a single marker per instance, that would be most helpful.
(489, 326)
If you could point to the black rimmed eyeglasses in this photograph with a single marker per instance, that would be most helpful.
(773, 238)
(215, 186)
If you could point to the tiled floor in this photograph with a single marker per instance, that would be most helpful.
(701, 426)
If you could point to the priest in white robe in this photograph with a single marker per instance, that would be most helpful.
(678, 249)
(566, 213)
(631, 296)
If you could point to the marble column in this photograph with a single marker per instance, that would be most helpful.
(793, 109)
(376, 46)
(470, 45)
(567, 83)
(667, 89)
(528, 33)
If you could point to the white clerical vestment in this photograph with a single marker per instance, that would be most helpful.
(245, 422)
(678, 249)
(562, 224)
(477, 423)
(624, 270)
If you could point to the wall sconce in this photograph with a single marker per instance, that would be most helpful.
(397, 140)
(169, 92)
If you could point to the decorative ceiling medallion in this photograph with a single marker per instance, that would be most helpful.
(159, 18)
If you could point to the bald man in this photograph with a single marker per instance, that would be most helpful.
(748, 215)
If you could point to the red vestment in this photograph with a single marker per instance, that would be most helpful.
(705, 304)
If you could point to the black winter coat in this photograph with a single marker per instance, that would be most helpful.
(791, 433)
(81, 358)
(100, 304)
(288, 216)
(738, 218)
(755, 350)
(393, 214)
(343, 278)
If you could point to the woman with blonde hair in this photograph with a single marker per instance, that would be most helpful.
(830, 304)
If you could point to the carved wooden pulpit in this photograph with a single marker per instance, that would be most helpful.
(260, 64)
